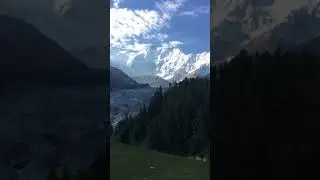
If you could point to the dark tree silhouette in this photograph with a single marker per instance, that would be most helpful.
(266, 116)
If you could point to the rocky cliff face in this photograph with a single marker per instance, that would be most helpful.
(261, 24)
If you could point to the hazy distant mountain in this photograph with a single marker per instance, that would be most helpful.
(153, 81)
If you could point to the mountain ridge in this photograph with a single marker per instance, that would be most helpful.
(153, 81)
(170, 64)
(261, 25)
(18, 36)
(120, 80)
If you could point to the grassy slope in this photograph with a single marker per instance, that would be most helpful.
(130, 162)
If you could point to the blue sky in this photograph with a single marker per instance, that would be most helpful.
(136, 24)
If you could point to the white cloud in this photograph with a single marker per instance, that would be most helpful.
(141, 36)
(196, 11)
(126, 25)
(171, 44)
(137, 47)
(175, 43)
(132, 30)
(129, 26)
(168, 7)
(158, 36)
(116, 3)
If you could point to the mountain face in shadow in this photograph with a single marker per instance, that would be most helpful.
(71, 23)
(153, 81)
(28, 55)
(311, 47)
(53, 105)
(261, 25)
(93, 56)
(25, 49)
(96, 57)
(119, 80)
(289, 34)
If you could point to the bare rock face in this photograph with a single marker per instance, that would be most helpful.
(261, 24)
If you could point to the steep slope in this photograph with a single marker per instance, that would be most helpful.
(311, 47)
(201, 72)
(25, 49)
(28, 55)
(93, 56)
(261, 24)
(153, 81)
(71, 23)
(289, 33)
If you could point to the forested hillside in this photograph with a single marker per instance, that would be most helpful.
(266, 116)
(176, 121)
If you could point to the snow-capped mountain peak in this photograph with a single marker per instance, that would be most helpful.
(167, 62)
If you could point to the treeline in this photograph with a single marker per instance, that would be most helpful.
(266, 116)
(176, 121)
